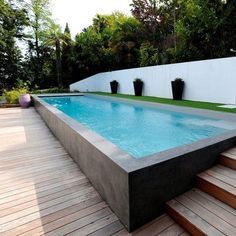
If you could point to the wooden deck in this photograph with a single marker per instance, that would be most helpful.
(210, 208)
(43, 192)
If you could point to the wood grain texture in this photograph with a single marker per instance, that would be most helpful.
(218, 185)
(43, 192)
(229, 159)
(201, 214)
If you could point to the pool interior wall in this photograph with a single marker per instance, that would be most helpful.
(138, 130)
(136, 190)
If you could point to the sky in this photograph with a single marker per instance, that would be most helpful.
(79, 14)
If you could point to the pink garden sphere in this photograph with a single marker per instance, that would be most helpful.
(25, 100)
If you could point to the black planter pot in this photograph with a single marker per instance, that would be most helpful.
(114, 87)
(177, 89)
(138, 88)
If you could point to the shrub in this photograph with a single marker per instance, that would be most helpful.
(138, 80)
(13, 95)
(148, 55)
(178, 80)
(51, 90)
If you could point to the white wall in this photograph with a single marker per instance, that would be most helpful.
(208, 80)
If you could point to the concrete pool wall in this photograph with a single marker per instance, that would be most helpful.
(136, 189)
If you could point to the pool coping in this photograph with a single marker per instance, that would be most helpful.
(136, 175)
(125, 160)
(166, 155)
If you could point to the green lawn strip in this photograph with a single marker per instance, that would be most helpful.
(185, 103)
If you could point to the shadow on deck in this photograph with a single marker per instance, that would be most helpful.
(43, 192)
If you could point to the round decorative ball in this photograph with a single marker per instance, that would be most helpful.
(25, 100)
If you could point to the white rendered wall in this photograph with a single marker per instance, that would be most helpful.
(208, 80)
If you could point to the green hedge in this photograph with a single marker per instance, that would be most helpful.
(51, 90)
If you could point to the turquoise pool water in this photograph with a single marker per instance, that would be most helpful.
(138, 130)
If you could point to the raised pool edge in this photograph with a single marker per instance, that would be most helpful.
(135, 189)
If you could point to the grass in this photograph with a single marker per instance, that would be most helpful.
(184, 103)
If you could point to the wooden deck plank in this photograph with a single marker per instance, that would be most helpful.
(22, 150)
(18, 157)
(191, 221)
(227, 187)
(208, 216)
(157, 227)
(86, 230)
(45, 205)
(68, 219)
(73, 173)
(108, 229)
(31, 175)
(217, 188)
(38, 202)
(19, 183)
(41, 213)
(216, 201)
(220, 176)
(212, 207)
(38, 225)
(231, 151)
(225, 171)
(228, 159)
(229, 155)
(173, 230)
(33, 171)
(29, 170)
(77, 224)
(13, 195)
(40, 197)
(43, 192)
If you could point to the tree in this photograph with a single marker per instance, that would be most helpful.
(158, 18)
(54, 37)
(125, 41)
(148, 55)
(111, 42)
(67, 57)
(206, 29)
(39, 13)
(12, 23)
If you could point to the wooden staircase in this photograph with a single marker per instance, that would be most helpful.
(228, 158)
(209, 209)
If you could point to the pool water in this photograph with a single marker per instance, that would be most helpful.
(138, 130)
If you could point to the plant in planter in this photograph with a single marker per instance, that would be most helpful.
(114, 86)
(138, 87)
(177, 88)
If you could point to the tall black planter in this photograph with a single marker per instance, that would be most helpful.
(177, 89)
(114, 86)
(138, 88)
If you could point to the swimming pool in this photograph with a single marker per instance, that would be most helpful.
(137, 188)
(140, 131)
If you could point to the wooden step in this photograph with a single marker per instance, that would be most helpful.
(161, 226)
(201, 214)
(220, 182)
(228, 158)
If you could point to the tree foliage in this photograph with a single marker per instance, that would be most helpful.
(148, 55)
(110, 43)
(206, 29)
(12, 22)
(39, 17)
(159, 32)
